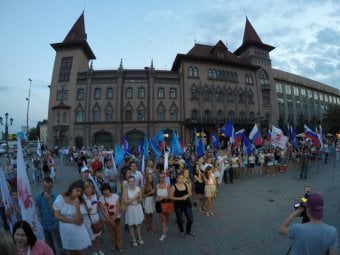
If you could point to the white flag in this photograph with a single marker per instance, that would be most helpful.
(26, 201)
(278, 139)
(39, 148)
(7, 200)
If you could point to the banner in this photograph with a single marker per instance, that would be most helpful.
(278, 139)
(26, 201)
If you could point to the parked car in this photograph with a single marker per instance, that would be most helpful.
(3, 148)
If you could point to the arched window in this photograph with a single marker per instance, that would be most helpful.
(160, 115)
(210, 74)
(194, 114)
(96, 115)
(79, 116)
(108, 115)
(141, 115)
(264, 80)
(128, 115)
(207, 115)
(231, 115)
(80, 94)
(195, 72)
(242, 115)
(190, 72)
(173, 115)
(220, 115)
(214, 74)
(252, 116)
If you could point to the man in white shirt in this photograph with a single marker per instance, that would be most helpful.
(111, 175)
(137, 174)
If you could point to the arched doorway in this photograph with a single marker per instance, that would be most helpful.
(135, 137)
(103, 138)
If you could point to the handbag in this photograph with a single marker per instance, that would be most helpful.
(97, 227)
(167, 207)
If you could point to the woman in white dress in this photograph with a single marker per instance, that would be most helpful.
(149, 201)
(134, 216)
(91, 216)
(67, 209)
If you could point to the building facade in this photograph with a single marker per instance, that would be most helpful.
(204, 88)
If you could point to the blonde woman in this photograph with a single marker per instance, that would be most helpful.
(162, 195)
(209, 189)
(149, 202)
(91, 216)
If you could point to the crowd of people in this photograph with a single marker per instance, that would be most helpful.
(113, 198)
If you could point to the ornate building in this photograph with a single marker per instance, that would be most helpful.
(205, 87)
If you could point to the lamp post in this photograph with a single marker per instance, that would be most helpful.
(6, 128)
(28, 108)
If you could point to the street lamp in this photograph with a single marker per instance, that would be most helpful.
(6, 127)
(28, 108)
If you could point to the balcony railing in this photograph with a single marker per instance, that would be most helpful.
(219, 121)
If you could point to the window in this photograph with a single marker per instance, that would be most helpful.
(194, 114)
(65, 69)
(128, 115)
(210, 76)
(206, 95)
(97, 93)
(219, 95)
(218, 75)
(231, 115)
(173, 115)
(241, 98)
(96, 115)
(264, 80)
(278, 88)
(59, 95)
(249, 79)
(108, 115)
(160, 115)
(109, 93)
(194, 95)
(266, 97)
(326, 98)
(160, 93)
(321, 97)
(64, 117)
(242, 115)
(66, 93)
(141, 115)
(303, 92)
(316, 95)
(79, 116)
(214, 74)
(250, 99)
(288, 90)
(190, 72)
(310, 94)
(296, 91)
(252, 116)
(207, 115)
(128, 93)
(196, 72)
(220, 55)
(220, 115)
(80, 94)
(141, 93)
(173, 94)
(230, 96)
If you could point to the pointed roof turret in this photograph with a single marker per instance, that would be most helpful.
(77, 32)
(251, 38)
(76, 37)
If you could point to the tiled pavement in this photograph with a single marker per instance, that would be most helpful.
(247, 215)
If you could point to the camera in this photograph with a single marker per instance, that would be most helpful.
(302, 203)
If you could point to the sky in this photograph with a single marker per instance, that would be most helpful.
(306, 35)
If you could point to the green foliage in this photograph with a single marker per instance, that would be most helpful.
(331, 121)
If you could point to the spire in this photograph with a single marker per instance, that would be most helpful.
(121, 64)
(151, 63)
(250, 33)
(76, 37)
(251, 38)
(77, 32)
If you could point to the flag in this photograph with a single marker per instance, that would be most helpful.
(175, 144)
(289, 131)
(146, 148)
(255, 136)
(154, 148)
(278, 139)
(140, 146)
(119, 154)
(25, 198)
(247, 144)
(228, 129)
(39, 148)
(238, 137)
(125, 145)
(293, 133)
(7, 200)
(320, 135)
(143, 164)
(158, 140)
(214, 141)
(311, 135)
(200, 145)
(97, 189)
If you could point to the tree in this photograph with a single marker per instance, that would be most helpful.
(301, 121)
(331, 121)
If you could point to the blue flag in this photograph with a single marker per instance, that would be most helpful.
(175, 144)
(119, 154)
(200, 146)
(247, 144)
(228, 129)
(146, 148)
(155, 148)
(293, 138)
(214, 141)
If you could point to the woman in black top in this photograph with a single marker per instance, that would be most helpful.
(180, 194)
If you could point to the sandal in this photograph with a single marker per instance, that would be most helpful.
(182, 235)
(134, 243)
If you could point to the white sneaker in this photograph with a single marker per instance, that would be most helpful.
(100, 253)
(140, 241)
(163, 236)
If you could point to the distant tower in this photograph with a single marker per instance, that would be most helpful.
(72, 57)
(255, 52)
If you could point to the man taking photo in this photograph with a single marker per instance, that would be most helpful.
(313, 237)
